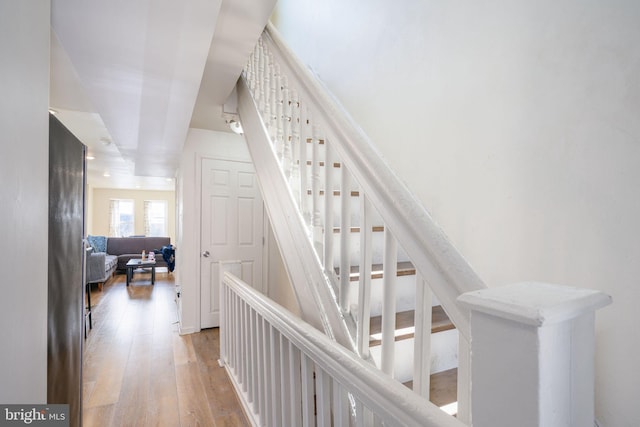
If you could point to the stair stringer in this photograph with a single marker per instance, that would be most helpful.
(313, 289)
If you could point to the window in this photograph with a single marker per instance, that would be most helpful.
(155, 218)
(121, 214)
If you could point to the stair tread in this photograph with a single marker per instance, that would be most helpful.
(321, 164)
(375, 229)
(443, 388)
(404, 268)
(335, 193)
(406, 319)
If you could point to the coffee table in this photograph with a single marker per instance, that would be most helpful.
(139, 263)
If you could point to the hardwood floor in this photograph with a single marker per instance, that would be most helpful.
(137, 370)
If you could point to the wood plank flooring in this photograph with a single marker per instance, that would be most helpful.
(137, 370)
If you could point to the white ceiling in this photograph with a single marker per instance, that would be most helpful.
(129, 78)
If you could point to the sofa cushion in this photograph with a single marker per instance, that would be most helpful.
(135, 245)
(110, 263)
(98, 243)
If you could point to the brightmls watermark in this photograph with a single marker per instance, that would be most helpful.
(36, 415)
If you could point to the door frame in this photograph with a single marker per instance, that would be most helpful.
(198, 192)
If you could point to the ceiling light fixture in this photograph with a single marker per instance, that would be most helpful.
(105, 141)
(235, 126)
(52, 111)
(90, 157)
(106, 174)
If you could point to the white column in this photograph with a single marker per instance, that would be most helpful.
(532, 355)
(389, 284)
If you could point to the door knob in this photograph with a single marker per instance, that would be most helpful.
(206, 254)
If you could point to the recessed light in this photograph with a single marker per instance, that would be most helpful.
(89, 157)
(168, 179)
(106, 174)
(105, 141)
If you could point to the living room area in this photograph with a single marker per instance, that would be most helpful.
(122, 224)
(137, 369)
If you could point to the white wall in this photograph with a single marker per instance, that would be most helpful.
(516, 124)
(24, 174)
(101, 197)
(279, 286)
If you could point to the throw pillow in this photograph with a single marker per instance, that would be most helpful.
(98, 243)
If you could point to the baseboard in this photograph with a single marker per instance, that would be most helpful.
(187, 331)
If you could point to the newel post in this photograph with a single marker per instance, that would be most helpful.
(532, 355)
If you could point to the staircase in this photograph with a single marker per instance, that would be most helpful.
(443, 366)
(320, 176)
(374, 273)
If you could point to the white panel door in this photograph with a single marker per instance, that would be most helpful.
(232, 229)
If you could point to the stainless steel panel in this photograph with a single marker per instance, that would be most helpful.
(66, 252)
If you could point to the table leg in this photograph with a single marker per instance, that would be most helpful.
(129, 271)
(89, 304)
(153, 275)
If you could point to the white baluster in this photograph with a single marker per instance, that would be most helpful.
(341, 406)
(249, 71)
(266, 93)
(323, 398)
(360, 416)
(223, 322)
(268, 375)
(262, 374)
(259, 71)
(242, 338)
(276, 404)
(253, 360)
(328, 209)
(389, 283)
(279, 136)
(294, 182)
(308, 392)
(295, 385)
(286, 124)
(304, 171)
(345, 238)
(234, 331)
(364, 291)
(249, 364)
(422, 343)
(262, 81)
(285, 379)
(316, 213)
(464, 379)
(273, 101)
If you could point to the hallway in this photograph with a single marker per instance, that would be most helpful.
(138, 371)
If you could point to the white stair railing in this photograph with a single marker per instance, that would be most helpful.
(296, 133)
(290, 374)
(311, 138)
